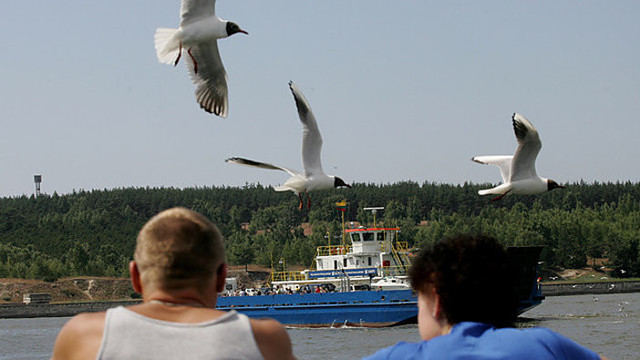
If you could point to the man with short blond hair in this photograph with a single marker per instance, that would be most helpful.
(179, 268)
(179, 247)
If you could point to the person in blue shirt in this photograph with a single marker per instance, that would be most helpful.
(467, 306)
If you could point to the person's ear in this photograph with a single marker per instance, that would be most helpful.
(134, 274)
(437, 310)
(221, 277)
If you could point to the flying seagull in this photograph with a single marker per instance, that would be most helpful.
(519, 170)
(313, 177)
(198, 33)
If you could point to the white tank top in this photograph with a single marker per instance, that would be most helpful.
(129, 335)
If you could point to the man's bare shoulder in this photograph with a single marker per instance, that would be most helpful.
(272, 338)
(80, 337)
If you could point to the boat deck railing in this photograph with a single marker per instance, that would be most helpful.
(287, 276)
(333, 250)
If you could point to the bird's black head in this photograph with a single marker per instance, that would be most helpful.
(553, 185)
(337, 182)
(233, 28)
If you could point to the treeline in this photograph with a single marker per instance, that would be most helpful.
(94, 232)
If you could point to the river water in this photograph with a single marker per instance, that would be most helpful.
(608, 324)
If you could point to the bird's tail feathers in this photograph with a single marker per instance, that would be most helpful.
(167, 47)
(281, 188)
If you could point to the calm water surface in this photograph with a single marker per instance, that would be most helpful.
(608, 324)
(28, 338)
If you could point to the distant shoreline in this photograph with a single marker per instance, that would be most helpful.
(63, 309)
(590, 288)
(20, 310)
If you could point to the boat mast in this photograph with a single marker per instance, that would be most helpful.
(342, 206)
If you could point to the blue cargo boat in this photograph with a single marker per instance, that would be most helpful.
(362, 284)
(332, 309)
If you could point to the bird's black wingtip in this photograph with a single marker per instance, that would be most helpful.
(217, 110)
(519, 127)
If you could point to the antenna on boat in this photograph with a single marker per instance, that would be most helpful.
(374, 210)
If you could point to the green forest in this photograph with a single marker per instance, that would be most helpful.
(93, 232)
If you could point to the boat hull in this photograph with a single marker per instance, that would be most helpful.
(358, 308)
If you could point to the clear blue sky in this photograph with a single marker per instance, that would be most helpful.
(402, 90)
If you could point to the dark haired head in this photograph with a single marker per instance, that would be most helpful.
(472, 277)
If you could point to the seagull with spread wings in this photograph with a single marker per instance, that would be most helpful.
(313, 178)
(519, 170)
(198, 33)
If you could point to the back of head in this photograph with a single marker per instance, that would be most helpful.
(473, 278)
(178, 248)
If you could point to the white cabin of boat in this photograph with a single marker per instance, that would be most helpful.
(373, 253)
(370, 248)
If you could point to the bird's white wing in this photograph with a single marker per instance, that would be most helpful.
(523, 165)
(194, 10)
(501, 161)
(311, 138)
(210, 78)
(253, 163)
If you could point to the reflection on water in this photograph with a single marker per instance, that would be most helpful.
(608, 324)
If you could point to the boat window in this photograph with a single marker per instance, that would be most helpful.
(369, 260)
(355, 237)
(368, 236)
(335, 264)
(380, 235)
(345, 262)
